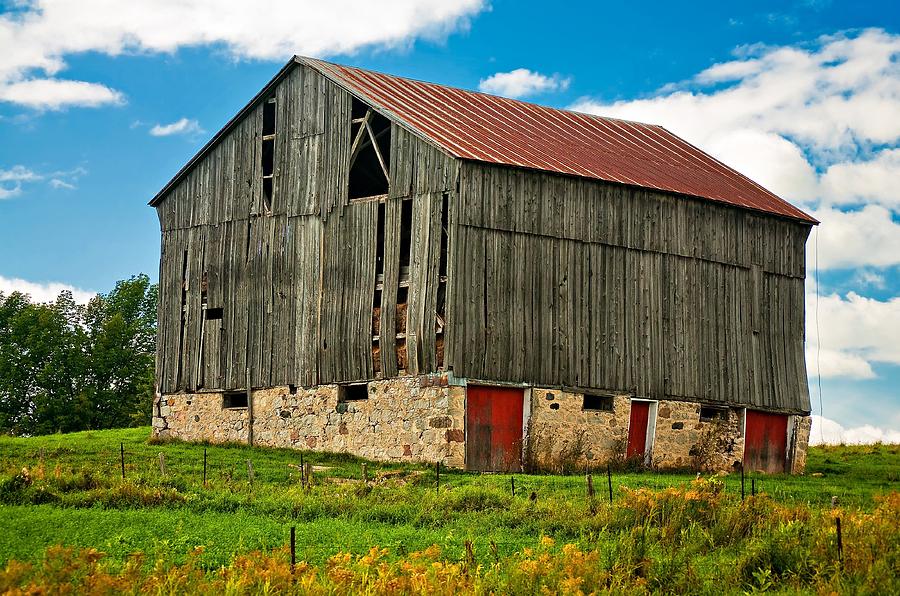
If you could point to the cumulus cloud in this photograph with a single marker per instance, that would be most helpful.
(853, 333)
(830, 432)
(522, 82)
(43, 292)
(53, 94)
(818, 124)
(37, 38)
(183, 126)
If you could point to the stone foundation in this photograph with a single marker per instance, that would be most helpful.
(562, 436)
(403, 419)
(683, 441)
(799, 442)
(423, 419)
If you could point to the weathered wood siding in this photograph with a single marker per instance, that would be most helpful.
(551, 280)
(566, 282)
(295, 285)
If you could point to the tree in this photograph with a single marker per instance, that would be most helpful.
(121, 329)
(66, 367)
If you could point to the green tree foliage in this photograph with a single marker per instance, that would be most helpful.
(66, 366)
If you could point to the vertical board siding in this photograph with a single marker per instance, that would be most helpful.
(566, 282)
(552, 280)
(295, 284)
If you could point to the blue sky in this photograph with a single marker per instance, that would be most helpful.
(98, 110)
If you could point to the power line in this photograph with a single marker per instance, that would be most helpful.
(819, 342)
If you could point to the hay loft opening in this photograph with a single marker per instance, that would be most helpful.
(370, 152)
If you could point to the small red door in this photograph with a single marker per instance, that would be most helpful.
(765, 441)
(637, 429)
(494, 428)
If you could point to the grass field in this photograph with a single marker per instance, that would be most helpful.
(680, 532)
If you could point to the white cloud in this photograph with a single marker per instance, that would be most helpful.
(858, 238)
(11, 181)
(183, 126)
(818, 124)
(852, 333)
(57, 183)
(36, 40)
(522, 82)
(43, 292)
(53, 94)
(829, 432)
(865, 277)
(18, 173)
(875, 180)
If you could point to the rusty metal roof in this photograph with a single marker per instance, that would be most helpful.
(492, 129)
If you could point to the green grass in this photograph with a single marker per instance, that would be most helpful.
(77, 497)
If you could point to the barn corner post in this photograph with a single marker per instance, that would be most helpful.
(361, 262)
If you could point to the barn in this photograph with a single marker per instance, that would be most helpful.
(401, 270)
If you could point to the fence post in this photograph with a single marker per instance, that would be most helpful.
(753, 486)
(590, 487)
(293, 547)
(840, 542)
(162, 463)
(512, 485)
(609, 481)
(250, 473)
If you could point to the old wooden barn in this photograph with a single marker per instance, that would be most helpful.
(402, 270)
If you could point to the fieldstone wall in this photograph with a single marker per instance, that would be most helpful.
(562, 436)
(800, 440)
(403, 419)
(682, 440)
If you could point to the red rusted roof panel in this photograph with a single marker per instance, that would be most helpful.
(492, 129)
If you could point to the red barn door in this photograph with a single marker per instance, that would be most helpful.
(765, 441)
(637, 429)
(494, 428)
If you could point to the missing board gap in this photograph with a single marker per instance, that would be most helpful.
(406, 212)
(215, 314)
(597, 403)
(269, 117)
(234, 400)
(353, 392)
(713, 414)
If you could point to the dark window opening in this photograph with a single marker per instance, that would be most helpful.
(214, 314)
(379, 242)
(292, 389)
(358, 109)
(234, 399)
(405, 235)
(370, 148)
(354, 392)
(713, 413)
(600, 403)
(442, 265)
(268, 157)
(269, 118)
